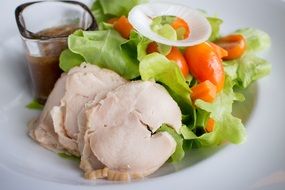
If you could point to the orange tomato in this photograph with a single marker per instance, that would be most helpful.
(235, 45)
(151, 48)
(123, 26)
(210, 125)
(178, 23)
(219, 50)
(205, 91)
(204, 64)
(174, 55)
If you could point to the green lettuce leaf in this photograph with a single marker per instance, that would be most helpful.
(163, 49)
(69, 157)
(137, 44)
(227, 127)
(157, 67)
(180, 32)
(256, 40)
(247, 69)
(119, 8)
(161, 20)
(99, 14)
(161, 26)
(68, 60)
(223, 102)
(179, 152)
(215, 24)
(35, 105)
(202, 118)
(165, 30)
(231, 68)
(252, 68)
(106, 9)
(103, 48)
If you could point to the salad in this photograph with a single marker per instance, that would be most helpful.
(182, 90)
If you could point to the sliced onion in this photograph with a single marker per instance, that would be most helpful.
(141, 19)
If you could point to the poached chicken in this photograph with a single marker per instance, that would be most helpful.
(110, 122)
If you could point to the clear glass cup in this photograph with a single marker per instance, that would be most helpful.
(44, 27)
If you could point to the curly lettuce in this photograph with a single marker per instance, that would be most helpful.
(103, 48)
(250, 67)
(227, 127)
(158, 68)
(106, 9)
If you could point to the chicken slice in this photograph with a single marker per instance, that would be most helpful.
(79, 86)
(121, 130)
(41, 129)
(81, 118)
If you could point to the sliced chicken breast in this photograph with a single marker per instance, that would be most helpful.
(121, 130)
(111, 123)
(79, 86)
(41, 129)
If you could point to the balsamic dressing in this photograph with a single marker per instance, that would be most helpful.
(44, 69)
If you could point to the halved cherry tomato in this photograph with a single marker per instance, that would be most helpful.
(205, 91)
(151, 48)
(178, 23)
(235, 45)
(174, 55)
(123, 26)
(219, 50)
(204, 64)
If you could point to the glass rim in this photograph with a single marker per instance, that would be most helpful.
(25, 33)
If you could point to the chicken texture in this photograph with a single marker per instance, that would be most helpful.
(57, 127)
(109, 122)
(121, 130)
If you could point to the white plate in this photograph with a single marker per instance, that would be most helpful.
(257, 164)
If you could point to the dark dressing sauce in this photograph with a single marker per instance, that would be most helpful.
(44, 68)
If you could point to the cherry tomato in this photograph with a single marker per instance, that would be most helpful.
(178, 23)
(151, 48)
(205, 64)
(123, 26)
(219, 50)
(210, 125)
(174, 55)
(205, 91)
(235, 45)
